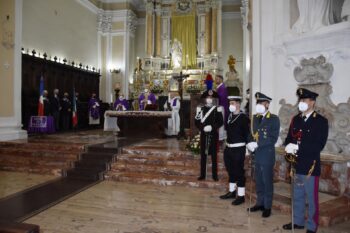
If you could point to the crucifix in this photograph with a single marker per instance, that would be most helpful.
(180, 78)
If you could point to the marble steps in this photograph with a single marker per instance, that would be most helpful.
(169, 169)
(97, 149)
(39, 154)
(166, 180)
(93, 174)
(63, 147)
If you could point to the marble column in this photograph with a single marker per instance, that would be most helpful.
(219, 30)
(207, 30)
(149, 29)
(158, 33)
(246, 47)
(214, 24)
(11, 70)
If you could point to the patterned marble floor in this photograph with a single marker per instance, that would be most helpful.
(112, 207)
(12, 182)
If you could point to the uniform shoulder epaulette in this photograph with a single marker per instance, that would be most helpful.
(220, 109)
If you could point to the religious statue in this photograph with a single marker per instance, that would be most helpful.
(176, 54)
(138, 66)
(231, 63)
(313, 14)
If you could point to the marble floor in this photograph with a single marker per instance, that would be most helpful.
(13, 182)
(112, 207)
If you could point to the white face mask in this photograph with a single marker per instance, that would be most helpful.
(209, 101)
(232, 108)
(303, 106)
(260, 109)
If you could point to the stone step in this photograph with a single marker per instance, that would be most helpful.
(98, 156)
(178, 170)
(85, 174)
(166, 180)
(72, 148)
(39, 154)
(97, 149)
(88, 164)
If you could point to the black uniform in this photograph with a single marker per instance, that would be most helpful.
(55, 110)
(237, 132)
(47, 109)
(66, 112)
(215, 119)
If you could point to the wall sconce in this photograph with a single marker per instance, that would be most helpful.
(115, 71)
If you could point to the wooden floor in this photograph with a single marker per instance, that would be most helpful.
(138, 208)
(13, 182)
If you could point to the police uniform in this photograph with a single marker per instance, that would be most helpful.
(309, 132)
(265, 131)
(238, 134)
(209, 116)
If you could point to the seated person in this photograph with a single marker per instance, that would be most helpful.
(146, 98)
(121, 104)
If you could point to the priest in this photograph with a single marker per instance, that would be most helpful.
(94, 110)
(121, 104)
(173, 105)
(146, 98)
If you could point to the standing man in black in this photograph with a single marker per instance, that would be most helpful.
(66, 111)
(56, 108)
(307, 136)
(208, 120)
(238, 135)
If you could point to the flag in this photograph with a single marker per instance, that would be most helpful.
(74, 112)
(41, 98)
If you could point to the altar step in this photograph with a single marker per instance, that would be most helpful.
(151, 162)
(35, 157)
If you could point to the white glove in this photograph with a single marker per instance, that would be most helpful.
(252, 146)
(207, 128)
(149, 102)
(291, 148)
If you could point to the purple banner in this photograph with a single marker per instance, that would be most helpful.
(38, 121)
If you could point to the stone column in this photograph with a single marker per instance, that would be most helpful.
(246, 47)
(214, 24)
(149, 28)
(207, 30)
(219, 30)
(11, 70)
(158, 31)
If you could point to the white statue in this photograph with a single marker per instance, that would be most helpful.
(176, 55)
(313, 14)
(345, 13)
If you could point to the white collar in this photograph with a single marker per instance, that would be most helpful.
(264, 114)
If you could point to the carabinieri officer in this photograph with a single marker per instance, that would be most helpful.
(306, 138)
(266, 128)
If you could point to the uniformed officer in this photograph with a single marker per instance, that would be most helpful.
(265, 132)
(238, 134)
(208, 120)
(306, 138)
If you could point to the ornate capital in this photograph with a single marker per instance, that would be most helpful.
(149, 6)
(131, 21)
(104, 22)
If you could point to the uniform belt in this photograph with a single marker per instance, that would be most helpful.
(239, 144)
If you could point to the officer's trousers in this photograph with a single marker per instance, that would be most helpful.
(264, 184)
(234, 163)
(306, 190)
(213, 147)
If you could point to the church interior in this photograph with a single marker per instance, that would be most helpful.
(102, 121)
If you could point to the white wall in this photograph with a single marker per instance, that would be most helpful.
(232, 44)
(63, 28)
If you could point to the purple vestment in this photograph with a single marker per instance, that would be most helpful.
(123, 102)
(223, 101)
(94, 108)
(151, 97)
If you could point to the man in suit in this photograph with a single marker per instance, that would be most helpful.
(56, 108)
(266, 128)
(306, 138)
(238, 134)
(208, 120)
(66, 112)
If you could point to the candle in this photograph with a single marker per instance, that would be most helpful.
(111, 98)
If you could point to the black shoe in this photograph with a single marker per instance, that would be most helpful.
(289, 227)
(201, 178)
(266, 213)
(228, 195)
(256, 208)
(310, 231)
(215, 178)
(239, 200)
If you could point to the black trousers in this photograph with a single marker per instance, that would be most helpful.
(234, 163)
(213, 145)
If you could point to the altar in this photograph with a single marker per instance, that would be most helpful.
(145, 124)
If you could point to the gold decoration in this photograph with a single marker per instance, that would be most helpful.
(231, 63)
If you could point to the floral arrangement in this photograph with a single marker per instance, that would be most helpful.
(156, 89)
(193, 89)
(194, 145)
